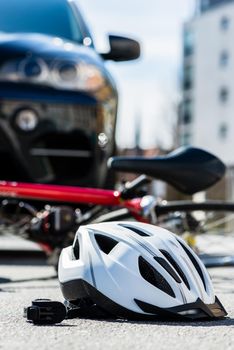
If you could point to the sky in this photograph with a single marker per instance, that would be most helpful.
(148, 87)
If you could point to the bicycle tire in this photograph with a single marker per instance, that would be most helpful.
(210, 205)
(217, 228)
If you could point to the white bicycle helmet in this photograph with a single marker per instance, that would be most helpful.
(134, 270)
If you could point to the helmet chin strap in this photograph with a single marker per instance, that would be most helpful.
(46, 311)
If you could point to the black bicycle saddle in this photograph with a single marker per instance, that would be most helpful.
(188, 169)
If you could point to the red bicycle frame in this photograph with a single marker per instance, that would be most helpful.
(70, 194)
(59, 193)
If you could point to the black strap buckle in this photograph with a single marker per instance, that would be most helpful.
(45, 311)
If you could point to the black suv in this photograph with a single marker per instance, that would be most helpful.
(58, 102)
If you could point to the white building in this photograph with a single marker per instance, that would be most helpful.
(207, 113)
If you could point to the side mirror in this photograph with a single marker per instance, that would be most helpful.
(122, 49)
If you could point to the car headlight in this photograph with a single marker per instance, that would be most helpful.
(33, 69)
(59, 74)
(67, 72)
(82, 76)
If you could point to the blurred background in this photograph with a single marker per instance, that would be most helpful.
(149, 87)
(180, 91)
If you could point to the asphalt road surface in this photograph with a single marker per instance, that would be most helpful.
(24, 279)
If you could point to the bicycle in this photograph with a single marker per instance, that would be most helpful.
(51, 214)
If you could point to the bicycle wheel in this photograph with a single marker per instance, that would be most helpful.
(208, 227)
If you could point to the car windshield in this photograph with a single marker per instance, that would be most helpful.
(52, 17)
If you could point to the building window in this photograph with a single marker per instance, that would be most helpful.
(224, 59)
(224, 94)
(187, 112)
(205, 4)
(188, 77)
(188, 42)
(223, 130)
(185, 139)
(224, 23)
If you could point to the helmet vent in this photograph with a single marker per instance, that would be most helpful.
(76, 249)
(106, 244)
(135, 229)
(151, 275)
(176, 267)
(168, 268)
(194, 262)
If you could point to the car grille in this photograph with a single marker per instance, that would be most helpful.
(63, 145)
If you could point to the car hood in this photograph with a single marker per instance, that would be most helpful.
(24, 45)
